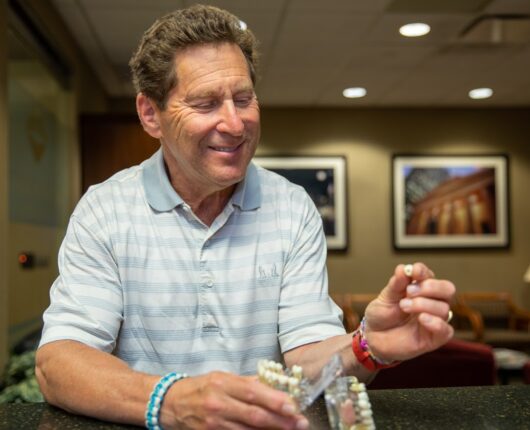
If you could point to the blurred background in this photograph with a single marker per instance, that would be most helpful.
(67, 121)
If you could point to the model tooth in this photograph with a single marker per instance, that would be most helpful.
(363, 396)
(363, 404)
(366, 413)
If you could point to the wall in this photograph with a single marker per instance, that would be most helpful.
(40, 173)
(37, 218)
(368, 138)
(3, 184)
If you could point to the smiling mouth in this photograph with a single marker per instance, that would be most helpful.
(230, 149)
(225, 149)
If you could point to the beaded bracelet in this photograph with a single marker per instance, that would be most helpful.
(364, 355)
(152, 414)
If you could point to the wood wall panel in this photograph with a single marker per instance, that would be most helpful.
(110, 143)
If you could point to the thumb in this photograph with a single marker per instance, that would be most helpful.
(396, 287)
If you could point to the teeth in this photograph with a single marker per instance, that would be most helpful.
(225, 149)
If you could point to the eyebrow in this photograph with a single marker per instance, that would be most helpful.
(206, 94)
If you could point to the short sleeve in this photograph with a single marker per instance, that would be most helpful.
(306, 312)
(86, 301)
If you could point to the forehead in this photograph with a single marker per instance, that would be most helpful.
(201, 65)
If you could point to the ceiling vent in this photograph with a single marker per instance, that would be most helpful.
(498, 30)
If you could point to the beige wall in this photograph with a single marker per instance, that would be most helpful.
(21, 309)
(31, 295)
(3, 183)
(368, 138)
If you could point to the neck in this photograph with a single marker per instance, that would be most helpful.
(208, 207)
(205, 202)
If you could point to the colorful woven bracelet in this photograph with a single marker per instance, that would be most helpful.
(152, 414)
(362, 352)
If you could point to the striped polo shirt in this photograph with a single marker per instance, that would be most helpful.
(141, 277)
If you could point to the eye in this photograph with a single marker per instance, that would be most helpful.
(243, 100)
(206, 104)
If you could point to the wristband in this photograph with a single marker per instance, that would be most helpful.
(362, 352)
(152, 414)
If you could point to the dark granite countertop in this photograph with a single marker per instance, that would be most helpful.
(493, 407)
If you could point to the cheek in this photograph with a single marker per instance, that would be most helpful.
(252, 120)
(187, 134)
(198, 126)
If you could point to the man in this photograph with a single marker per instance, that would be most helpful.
(197, 261)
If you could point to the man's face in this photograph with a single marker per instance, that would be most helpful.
(210, 127)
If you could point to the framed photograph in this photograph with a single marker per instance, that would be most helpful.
(450, 201)
(324, 179)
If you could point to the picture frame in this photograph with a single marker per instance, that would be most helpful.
(450, 201)
(324, 179)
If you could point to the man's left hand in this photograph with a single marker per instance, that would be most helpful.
(410, 315)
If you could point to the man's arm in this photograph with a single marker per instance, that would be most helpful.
(90, 382)
(314, 356)
(407, 319)
(87, 381)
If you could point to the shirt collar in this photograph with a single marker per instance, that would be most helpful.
(248, 193)
(162, 197)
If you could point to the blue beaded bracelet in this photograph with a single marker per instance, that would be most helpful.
(152, 413)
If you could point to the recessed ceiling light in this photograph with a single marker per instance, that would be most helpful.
(415, 29)
(354, 92)
(481, 93)
(242, 25)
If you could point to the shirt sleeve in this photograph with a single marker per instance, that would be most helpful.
(306, 312)
(86, 301)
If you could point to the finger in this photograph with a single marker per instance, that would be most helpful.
(438, 327)
(415, 272)
(224, 411)
(396, 287)
(433, 288)
(237, 415)
(250, 390)
(257, 405)
(229, 425)
(418, 305)
(252, 416)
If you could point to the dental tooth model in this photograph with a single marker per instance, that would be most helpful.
(346, 398)
(348, 405)
(284, 379)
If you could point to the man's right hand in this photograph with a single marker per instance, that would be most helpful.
(221, 400)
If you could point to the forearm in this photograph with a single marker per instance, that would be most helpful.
(314, 356)
(86, 381)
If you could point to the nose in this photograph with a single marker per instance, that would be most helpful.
(230, 121)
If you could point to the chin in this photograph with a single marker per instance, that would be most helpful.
(228, 180)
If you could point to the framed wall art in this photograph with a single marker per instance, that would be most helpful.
(450, 201)
(324, 179)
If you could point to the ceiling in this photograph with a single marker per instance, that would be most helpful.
(312, 49)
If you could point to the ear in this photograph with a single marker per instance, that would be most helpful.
(149, 115)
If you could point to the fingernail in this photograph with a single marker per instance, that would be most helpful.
(413, 289)
(426, 318)
(302, 424)
(405, 304)
(288, 409)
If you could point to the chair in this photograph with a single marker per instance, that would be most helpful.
(456, 364)
(526, 373)
(467, 322)
(494, 319)
(353, 306)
